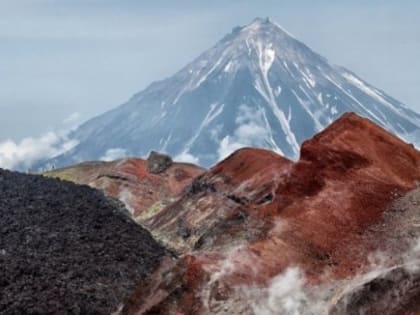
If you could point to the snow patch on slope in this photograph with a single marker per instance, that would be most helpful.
(215, 110)
(264, 88)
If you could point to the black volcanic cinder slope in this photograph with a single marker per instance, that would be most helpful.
(66, 249)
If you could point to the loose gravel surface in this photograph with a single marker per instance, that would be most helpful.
(66, 249)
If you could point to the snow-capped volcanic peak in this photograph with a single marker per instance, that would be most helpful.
(258, 86)
(256, 46)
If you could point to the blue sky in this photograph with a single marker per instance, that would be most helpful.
(62, 57)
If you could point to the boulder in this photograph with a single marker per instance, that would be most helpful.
(158, 163)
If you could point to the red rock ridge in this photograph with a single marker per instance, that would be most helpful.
(255, 214)
(130, 181)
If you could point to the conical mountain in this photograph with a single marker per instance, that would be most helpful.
(258, 86)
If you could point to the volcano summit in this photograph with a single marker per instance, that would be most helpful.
(258, 86)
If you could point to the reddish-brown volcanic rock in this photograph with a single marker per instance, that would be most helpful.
(129, 180)
(256, 216)
(230, 199)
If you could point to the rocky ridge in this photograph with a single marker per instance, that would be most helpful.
(260, 234)
(143, 190)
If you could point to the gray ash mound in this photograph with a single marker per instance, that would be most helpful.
(66, 249)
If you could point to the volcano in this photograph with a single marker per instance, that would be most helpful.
(258, 86)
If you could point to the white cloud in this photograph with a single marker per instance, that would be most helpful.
(114, 154)
(23, 154)
(72, 120)
(187, 157)
(227, 146)
(251, 130)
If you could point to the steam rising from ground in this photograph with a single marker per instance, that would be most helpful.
(290, 294)
(127, 198)
(287, 293)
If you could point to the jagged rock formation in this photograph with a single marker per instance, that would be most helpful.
(66, 249)
(258, 86)
(260, 234)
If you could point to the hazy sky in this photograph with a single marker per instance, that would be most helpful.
(63, 61)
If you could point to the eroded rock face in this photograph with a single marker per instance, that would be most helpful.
(222, 202)
(259, 234)
(66, 249)
(158, 163)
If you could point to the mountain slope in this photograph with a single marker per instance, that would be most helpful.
(258, 86)
(130, 181)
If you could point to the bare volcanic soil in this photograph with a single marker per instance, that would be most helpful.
(66, 249)
(145, 187)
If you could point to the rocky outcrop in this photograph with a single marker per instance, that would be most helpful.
(66, 249)
(260, 234)
(158, 163)
(226, 200)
